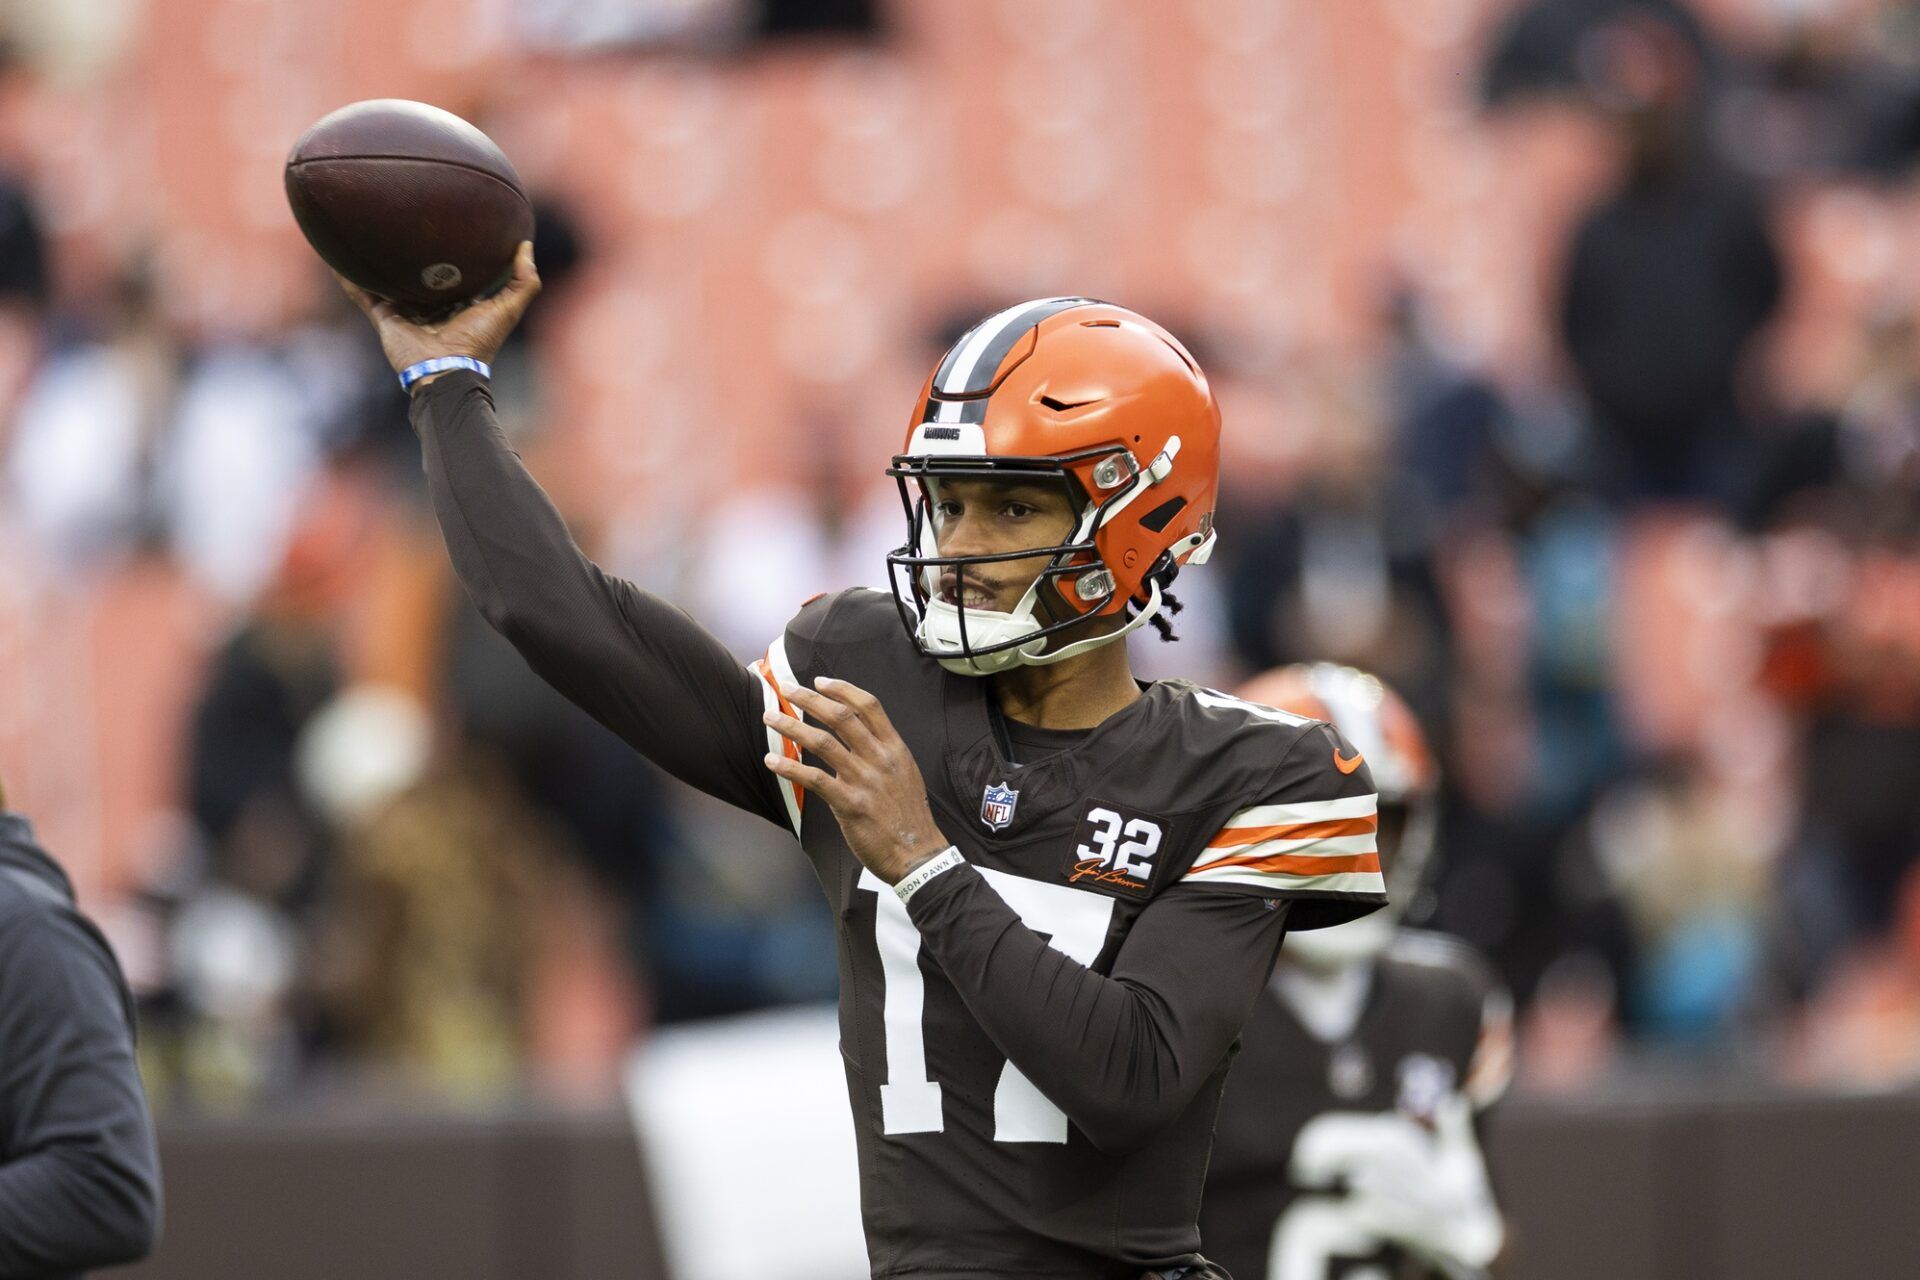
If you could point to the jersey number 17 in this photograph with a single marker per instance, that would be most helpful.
(1074, 922)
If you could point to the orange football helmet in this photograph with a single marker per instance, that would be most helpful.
(1111, 406)
(1382, 728)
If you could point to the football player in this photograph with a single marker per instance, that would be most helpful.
(1058, 891)
(1348, 1145)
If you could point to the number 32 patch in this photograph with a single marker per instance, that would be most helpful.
(1115, 847)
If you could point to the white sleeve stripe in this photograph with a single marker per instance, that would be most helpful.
(776, 742)
(782, 669)
(1322, 847)
(1340, 882)
(777, 745)
(1286, 815)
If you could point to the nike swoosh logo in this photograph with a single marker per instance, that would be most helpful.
(1347, 764)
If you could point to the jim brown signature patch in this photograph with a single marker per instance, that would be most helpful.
(1115, 847)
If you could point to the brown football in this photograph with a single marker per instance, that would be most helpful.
(409, 202)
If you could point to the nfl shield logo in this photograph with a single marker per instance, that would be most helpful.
(996, 806)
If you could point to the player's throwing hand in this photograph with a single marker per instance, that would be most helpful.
(477, 330)
(875, 789)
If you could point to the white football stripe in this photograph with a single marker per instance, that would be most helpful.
(776, 743)
(1286, 815)
(782, 668)
(1339, 882)
(1332, 846)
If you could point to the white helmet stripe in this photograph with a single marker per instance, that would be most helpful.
(970, 363)
(956, 373)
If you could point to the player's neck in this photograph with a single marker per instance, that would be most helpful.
(1075, 694)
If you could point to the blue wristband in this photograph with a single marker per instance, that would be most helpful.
(441, 364)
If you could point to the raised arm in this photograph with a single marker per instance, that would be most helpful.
(636, 663)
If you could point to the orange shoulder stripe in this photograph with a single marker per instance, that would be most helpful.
(1233, 837)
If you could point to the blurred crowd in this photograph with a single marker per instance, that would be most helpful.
(1656, 596)
(1726, 874)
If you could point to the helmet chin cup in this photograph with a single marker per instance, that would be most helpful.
(940, 636)
(1339, 946)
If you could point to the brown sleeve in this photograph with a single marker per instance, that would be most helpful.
(636, 663)
(1124, 1054)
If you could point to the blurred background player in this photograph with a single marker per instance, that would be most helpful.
(1348, 1141)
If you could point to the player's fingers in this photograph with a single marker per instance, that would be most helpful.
(375, 308)
(864, 705)
(818, 781)
(507, 306)
(524, 282)
(838, 716)
(818, 741)
(525, 274)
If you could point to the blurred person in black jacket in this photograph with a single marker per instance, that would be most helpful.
(1669, 279)
(79, 1176)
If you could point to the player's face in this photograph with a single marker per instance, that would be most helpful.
(991, 517)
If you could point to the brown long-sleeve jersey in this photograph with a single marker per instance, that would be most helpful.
(1035, 1046)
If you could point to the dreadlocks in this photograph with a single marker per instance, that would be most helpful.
(1161, 621)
